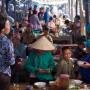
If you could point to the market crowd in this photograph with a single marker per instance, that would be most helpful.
(27, 49)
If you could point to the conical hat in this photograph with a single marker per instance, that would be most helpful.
(43, 44)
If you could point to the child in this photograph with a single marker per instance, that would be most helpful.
(66, 66)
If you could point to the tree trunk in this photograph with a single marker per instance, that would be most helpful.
(76, 7)
(3, 8)
(7, 1)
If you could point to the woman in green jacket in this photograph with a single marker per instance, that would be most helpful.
(40, 61)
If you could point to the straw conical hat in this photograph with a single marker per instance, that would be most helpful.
(43, 44)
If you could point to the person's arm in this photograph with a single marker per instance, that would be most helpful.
(28, 65)
(38, 22)
(86, 65)
(61, 69)
(10, 54)
(51, 63)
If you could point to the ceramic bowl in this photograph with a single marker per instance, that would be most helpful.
(80, 63)
(52, 83)
(40, 84)
(77, 82)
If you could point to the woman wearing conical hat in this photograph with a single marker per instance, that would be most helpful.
(40, 61)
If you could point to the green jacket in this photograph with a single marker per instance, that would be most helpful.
(65, 67)
(44, 61)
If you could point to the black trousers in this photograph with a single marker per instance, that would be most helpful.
(33, 80)
(4, 82)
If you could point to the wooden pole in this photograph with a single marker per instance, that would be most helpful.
(14, 9)
(76, 6)
(69, 11)
(82, 21)
(3, 8)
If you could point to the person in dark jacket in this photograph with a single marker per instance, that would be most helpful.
(85, 67)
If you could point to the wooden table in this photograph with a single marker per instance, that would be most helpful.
(65, 45)
(63, 39)
(18, 87)
(24, 86)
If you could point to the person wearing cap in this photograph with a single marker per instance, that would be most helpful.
(20, 56)
(34, 21)
(79, 51)
(85, 68)
(30, 12)
(40, 61)
(46, 15)
(46, 33)
(41, 14)
(35, 9)
(52, 26)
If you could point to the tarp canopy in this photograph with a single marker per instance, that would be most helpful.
(51, 2)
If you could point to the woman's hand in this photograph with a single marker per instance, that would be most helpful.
(43, 71)
(86, 65)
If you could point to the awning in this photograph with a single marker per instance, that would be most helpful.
(51, 2)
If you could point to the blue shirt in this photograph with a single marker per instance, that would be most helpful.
(85, 72)
(46, 17)
(6, 55)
